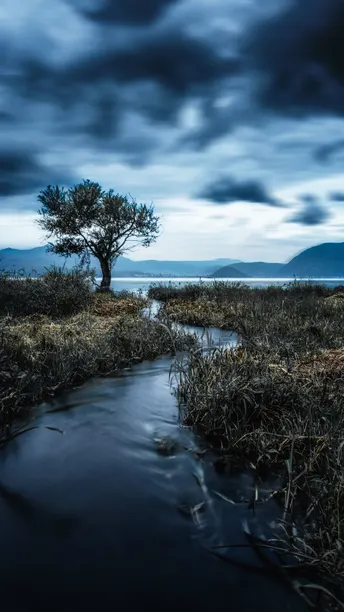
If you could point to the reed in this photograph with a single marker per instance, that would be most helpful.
(275, 402)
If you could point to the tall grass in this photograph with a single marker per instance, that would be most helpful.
(224, 291)
(276, 401)
(301, 318)
(57, 293)
(39, 357)
(56, 332)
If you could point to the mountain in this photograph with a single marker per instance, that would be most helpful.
(175, 268)
(38, 259)
(324, 260)
(30, 260)
(258, 269)
(229, 272)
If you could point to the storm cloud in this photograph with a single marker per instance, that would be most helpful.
(227, 190)
(336, 196)
(32, 174)
(325, 152)
(300, 57)
(136, 12)
(311, 213)
(148, 75)
(157, 96)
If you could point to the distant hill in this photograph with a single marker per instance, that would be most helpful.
(242, 269)
(229, 272)
(259, 269)
(30, 260)
(324, 260)
(39, 259)
(178, 268)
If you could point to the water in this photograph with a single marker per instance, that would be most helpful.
(135, 284)
(96, 519)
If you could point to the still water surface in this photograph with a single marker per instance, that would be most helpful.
(96, 519)
(134, 284)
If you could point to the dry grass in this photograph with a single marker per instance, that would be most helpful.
(276, 402)
(40, 356)
(56, 293)
(117, 304)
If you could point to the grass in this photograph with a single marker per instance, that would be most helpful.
(276, 402)
(224, 291)
(42, 354)
(301, 318)
(57, 293)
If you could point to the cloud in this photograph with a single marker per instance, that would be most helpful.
(308, 198)
(134, 12)
(311, 213)
(336, 196)
(22, 173)
(226, 190)
(299, 55)
(143, 94)
(172, 59)
(325, 152)
(150, 74)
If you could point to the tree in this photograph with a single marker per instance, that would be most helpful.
(85, 221)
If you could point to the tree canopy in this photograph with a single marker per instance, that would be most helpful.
(85, 220)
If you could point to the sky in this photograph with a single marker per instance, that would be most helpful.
(227, 115)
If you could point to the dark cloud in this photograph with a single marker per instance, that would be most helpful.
(22, 173)
(102, 96)
(299, 55)
(134, 12)
(120, 90)
(153, 76)
(175, 60)
(324, 153)
(226, 190)
(6, 117)
(178, 65)
(308, 198)
(311, 213)
(336, 196)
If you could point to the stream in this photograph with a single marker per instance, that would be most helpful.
(96, 518)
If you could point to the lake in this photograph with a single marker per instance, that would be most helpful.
(136, 284)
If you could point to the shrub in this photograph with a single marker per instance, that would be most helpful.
(57, 293)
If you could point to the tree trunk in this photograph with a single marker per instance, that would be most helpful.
(106, 272)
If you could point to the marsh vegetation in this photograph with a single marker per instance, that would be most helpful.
(271, 404)
(275, 402)
(55, 332)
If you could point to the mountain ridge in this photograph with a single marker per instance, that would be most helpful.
(255, 269)
(38, 259)
(323, 260)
